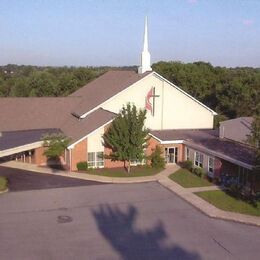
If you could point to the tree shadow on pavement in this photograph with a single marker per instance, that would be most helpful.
(118, 227)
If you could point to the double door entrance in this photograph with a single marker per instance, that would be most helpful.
(171, 154)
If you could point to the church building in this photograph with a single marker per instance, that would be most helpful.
(179, 123)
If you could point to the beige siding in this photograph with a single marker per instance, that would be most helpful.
(95, 141)
(173, 109)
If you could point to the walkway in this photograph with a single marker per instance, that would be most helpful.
(185, 193)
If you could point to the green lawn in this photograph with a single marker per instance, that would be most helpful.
(188, 180)
(3, 183)
(136, 171)
(224, 201)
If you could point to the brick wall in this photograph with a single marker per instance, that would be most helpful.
(181, 150)
(110, 164)
(39, 158)
(78, 154)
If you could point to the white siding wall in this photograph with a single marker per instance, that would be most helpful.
(95, 141)
(173, 109)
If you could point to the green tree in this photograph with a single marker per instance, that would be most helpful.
(127, 136)
(157, 160)
(254, 139)
(56, 144)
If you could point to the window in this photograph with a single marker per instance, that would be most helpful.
(198, 159)
(211, 165)
(187, 153)
(96, 159)
(137, 162)
(100, 159)
(91, 160)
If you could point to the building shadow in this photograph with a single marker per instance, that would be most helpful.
(118, 228)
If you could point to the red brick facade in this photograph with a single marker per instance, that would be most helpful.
(181, 150)
(78, 154)
(39, 158)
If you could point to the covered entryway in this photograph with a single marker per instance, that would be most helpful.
(171, 154)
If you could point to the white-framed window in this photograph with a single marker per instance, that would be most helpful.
(198, 160)
(96, 159)
(137, 162)
(100, 159)
(211, 165)
(187, 153)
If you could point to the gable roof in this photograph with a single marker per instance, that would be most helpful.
(76, 128)
(104, 87)
(34, 112)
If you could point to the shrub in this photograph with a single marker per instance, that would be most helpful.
(82, 166)
(3, 183)
(199, 171)
(157, 161)
(187, 165)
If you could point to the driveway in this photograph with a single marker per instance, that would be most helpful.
(21, 180)
(116, 221)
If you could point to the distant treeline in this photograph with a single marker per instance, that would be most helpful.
(231, 92)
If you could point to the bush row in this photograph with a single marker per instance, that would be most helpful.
(200, 172)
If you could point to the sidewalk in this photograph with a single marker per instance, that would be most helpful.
(163, 178)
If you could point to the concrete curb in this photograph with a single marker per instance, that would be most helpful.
(212, 211)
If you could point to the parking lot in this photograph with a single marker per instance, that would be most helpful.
(116, 221)
(22, 180)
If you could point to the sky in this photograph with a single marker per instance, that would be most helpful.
(110, 32)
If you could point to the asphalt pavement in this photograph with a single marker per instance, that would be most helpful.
(116, 221)
(22, 180)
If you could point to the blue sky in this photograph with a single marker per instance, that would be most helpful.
(110, 32)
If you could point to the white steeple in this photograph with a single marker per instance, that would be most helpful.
(145, 57)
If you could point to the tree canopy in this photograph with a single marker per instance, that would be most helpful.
(56, 144)
(254, 140)
(127, 136)
(232, 92)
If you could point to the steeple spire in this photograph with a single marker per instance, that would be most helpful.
(145, 56)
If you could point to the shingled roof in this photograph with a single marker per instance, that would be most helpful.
(76, 128)
(13, 139)
(208, 139)
(104, 87)
(34, 112)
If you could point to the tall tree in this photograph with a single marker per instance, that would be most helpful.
(127, 136)
(254, 139)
